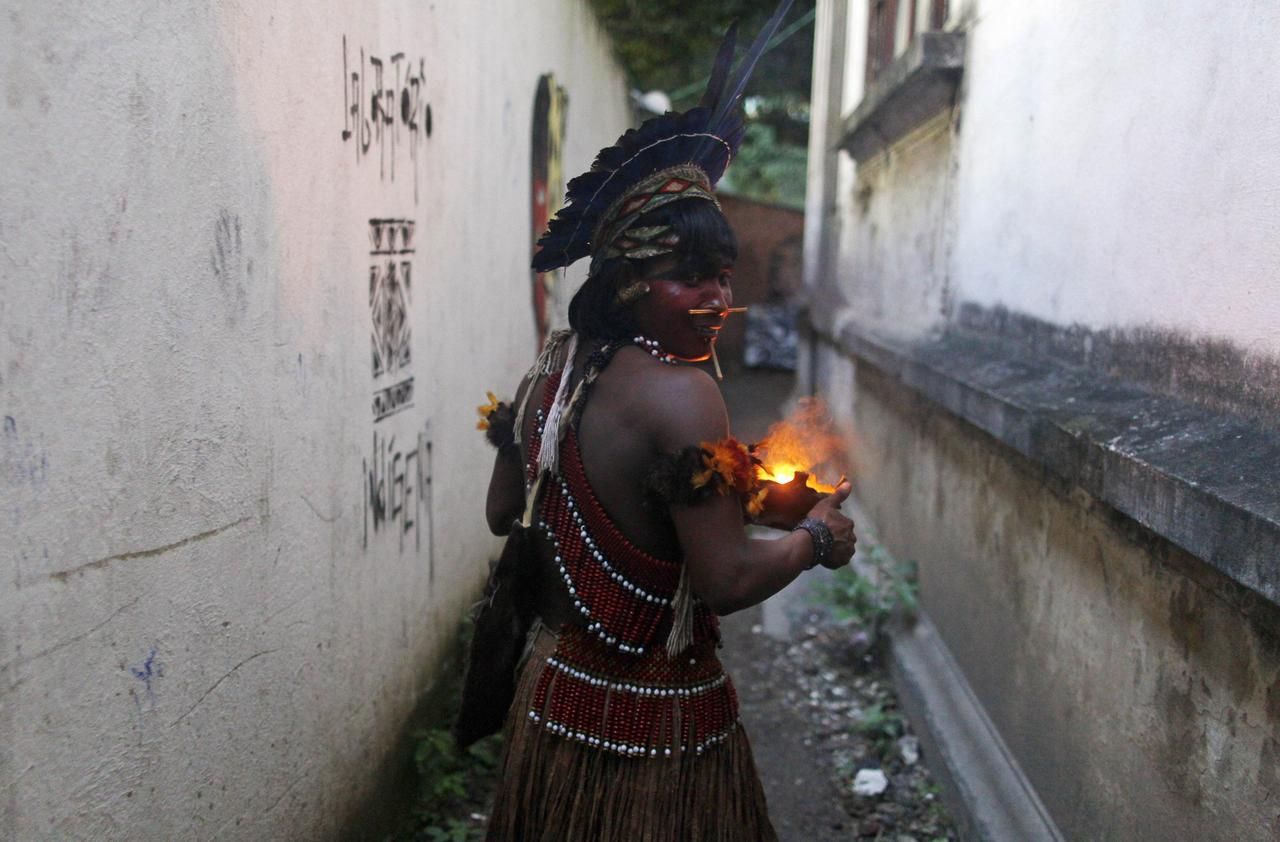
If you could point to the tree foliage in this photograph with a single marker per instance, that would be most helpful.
(669, 45)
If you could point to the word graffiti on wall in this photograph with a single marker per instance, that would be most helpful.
(396, 480)
(385, 109)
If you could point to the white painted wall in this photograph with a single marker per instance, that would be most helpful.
(203, 632)
(1119, 165)
(895, 231)
(1115, 166)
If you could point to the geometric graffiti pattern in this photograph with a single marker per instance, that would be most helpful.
(390, 285)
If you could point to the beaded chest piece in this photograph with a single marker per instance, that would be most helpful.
(610, 682)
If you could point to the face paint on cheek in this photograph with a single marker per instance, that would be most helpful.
(664, 315)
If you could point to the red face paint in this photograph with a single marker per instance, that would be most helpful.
(663, 314)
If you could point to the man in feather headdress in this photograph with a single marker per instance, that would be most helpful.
(625, 496)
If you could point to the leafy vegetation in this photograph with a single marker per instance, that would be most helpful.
(669, 45)
(869, 599)
(455, 788)
(767, 170)
(882, 725)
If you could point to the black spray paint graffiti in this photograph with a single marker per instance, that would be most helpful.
(397, 490)
(392, 399)
(397, 475)
(390, 285)
(389, 110)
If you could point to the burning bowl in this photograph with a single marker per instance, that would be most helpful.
(786, 503)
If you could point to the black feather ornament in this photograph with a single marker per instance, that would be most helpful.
(702, 140)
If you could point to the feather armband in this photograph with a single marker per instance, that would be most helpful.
(498, 420)
(698, 472)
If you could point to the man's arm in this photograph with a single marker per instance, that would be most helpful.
(505, 501)
(728, 570)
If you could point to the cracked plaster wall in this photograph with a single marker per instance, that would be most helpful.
(219, 605)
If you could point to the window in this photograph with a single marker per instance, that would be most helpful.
(893, 24)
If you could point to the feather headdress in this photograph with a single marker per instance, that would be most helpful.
(674, 156)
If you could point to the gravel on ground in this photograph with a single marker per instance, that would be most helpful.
(823, 714)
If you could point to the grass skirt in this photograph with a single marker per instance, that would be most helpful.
(554, 790)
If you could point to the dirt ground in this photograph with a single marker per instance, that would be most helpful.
(818, 707)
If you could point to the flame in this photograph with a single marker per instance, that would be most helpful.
(804, 441)
(784, 473)
(781, 474)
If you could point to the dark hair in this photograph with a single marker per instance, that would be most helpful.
(705, 238)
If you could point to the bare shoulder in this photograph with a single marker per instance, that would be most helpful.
(681, 405)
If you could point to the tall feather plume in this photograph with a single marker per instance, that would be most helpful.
(707, 136)
(727, 105)
(720, 70)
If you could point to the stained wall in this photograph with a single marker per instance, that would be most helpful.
(260, 263)
(1111, 168)
(1138, 689)
(1098, 196)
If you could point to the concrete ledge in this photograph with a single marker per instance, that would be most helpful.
(1206, 481)
(983, 785)
(918, 84)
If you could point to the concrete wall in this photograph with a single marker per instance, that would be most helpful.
(1125, 147)
(225, 581)
(894, 243)
(1136, 687)
(1101, 195)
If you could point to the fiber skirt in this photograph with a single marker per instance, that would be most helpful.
(554, 790)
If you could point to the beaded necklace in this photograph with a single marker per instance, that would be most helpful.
(655, 350)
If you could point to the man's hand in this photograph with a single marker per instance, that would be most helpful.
(828, 511)
(785, 505)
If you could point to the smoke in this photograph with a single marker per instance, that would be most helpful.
(807, 440)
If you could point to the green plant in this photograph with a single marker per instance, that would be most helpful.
(882, 726)
(768, 169)
(454, 830)
(452, 785)
(869, 600)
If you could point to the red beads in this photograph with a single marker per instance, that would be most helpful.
(650, 706)
(609, 683)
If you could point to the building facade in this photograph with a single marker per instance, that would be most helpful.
(1044, 289)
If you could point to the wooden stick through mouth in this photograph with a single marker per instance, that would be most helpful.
(709, 311)
(715, 360)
